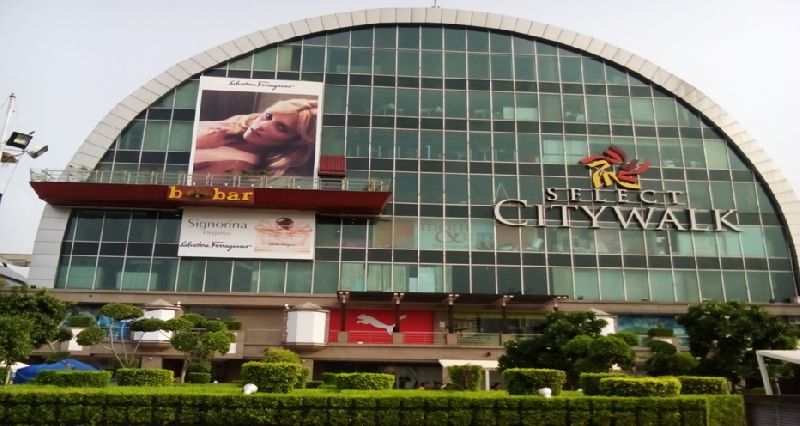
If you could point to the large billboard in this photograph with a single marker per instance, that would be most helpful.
(246, 233)
(257, 127)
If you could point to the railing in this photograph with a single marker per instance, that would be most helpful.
(479, 339)
(237, 181)
(421, 338)
(264, 336)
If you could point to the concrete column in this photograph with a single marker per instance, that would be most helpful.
(397, 338)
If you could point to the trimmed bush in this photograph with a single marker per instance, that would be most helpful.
(662, 347)
(94, 379)
(144, 377)
(81, 321)
(329, 378)
(364, 381)
(233, 324)
(465, 377)
(313, 384)
(631, 338)
(273, 377)
(677, 364)
(527, 381)
(199, 367)
(198, 377)
(694, 385)
(640, 386)
(280, 355)
(590, 382)
(660, 332)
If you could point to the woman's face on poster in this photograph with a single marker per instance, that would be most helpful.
(272, 129)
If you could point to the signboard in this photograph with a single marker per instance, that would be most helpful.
(377, 326)
(244, 233)
(256, 127)
(213, 196)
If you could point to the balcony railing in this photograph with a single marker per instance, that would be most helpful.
(236, 181)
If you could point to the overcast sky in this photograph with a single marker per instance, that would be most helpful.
(70, 62)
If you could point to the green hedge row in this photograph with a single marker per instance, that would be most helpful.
(640, 386)
(95, 379)
(273, 377)
(144, 377)
(371, 381)
(528, 381)
(150, 407)
(695, 385)
(590, 382)
(197, 377)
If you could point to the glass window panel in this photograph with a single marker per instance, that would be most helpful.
(357, 142)
(752, 241)
(218, 275)
(136, 274)
(431, 145)
(636, 285)
(131, 137)
(665, 112)
(550, 107)
(186, 94)
(326, 277)
(479, 105)
(361, 61)
(593, 71)
(482, 234)
(693, 153)
(289, 58)
(477, 65)
(455, 39)
(383, 101)
(553, 147)
(535, 281)
(352, 277)
(81, 272)
(432, 38)
(191, 275)
(687, 118)
(705, 244)
(162, 274)
(408, 62)
(783, 286)
(662, 285)
(332, 141)
(313, 59)
(570, 69)
(528, 147)
(509, 280)
(764, 203)
(686, 286)
(382, 145)
(298, 277)
(522, 46)
(481, 189)
(775, 242)
(728, 243)
(507, 237)
(354, 233)
(455, 104)
(386, 37)
(431, 64)
(699, 195)
(503, 106)
(405, 233)
(456, 234)
(109, 273)
(245, 276)
(455, 145)
(575, 149)
(722, 192)
(115, 226)
(358, 101)
(431, 279)
(361, 37)
(657, 243)
(456, 189)
(547, 68)
(586, 284)
(156, 136)
(337, 60)
(385, 62)
(480, 147)
(483, 280)
(455, 64)
(735, 286)
(583, 240)
(524, 67)
(405, 187)
(501, 67)
(607, 241)
(643, 111)
(180, 137)
(500, 43)
(432, 103)
(561, 281)
(573, 109)
(745, 195)
(671, 153)
(681, 243)
(407, 102)
(615, 76)
(143, 227)
(407, 144)
(265, 59)
(432, 234)
(379, 277)
(620, 109)
(760, 289)
(532, 239)
(381, 233)
(477, 41)
(527, 107)
(558, 240)
(711, 285)
(612, 284)
(272, 277)
(632, 242)
(431, 188)
(327, 233)
(408, 37)
(341, 38)
(405, 277)
(716, 154)
(335, 99)
(504, 147)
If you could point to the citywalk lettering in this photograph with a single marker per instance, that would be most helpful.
(631, 209)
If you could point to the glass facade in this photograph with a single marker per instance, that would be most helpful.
(459, 119)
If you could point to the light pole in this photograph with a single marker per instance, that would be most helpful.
(17, 140)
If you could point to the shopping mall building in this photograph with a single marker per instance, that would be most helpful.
(472, 172)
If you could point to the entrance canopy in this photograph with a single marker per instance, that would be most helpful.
(787, 356)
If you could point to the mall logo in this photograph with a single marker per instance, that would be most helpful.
(603, 167)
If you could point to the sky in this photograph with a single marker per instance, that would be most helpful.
(69, 63)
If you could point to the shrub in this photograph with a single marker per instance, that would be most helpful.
(465, 377)
(677, 364)
(590, 382)
(81, 321)
(233, 324)
(662, 347)
(280, 355)
(94, 379)
(694, 385)
(329, 378)
(364, 381)
(197, 377)
(199, 367)
(313, 384)
(631, 338)
(144, 377)
(660, 332)
(640, 386)
(526, 381)
(274, 377)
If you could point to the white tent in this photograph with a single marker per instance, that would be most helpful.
(788, 356)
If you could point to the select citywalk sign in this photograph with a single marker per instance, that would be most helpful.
(615, 199)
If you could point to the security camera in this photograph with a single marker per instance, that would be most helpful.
(37, 151)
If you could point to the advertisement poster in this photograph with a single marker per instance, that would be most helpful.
(245, 233)
(256, 127)
(375, 326)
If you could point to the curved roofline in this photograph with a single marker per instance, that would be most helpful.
(107, 130)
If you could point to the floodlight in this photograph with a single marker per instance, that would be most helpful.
(36, 151)
(19, 140)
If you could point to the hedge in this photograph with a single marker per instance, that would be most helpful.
(273, 377)
(97, 379)
(198, 377)
(694, 385)
(465, 377)
(144, 377)
(527, 381)
(590, 382)
(660, 332)
(329, 378)
(364, 381)
(640, 386)
(81, 321)
(158, 407)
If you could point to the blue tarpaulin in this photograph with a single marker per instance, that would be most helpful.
(24, 375)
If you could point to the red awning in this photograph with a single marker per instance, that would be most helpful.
(332, 165)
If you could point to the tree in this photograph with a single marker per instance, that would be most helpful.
(725, 336)
(547, 350)
(44, 311)
(597, 354)
(113, 338)
(15, 341)
(199, 339)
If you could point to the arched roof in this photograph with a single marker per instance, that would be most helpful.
(107, 130)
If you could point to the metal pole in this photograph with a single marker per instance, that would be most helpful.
(9, 110)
